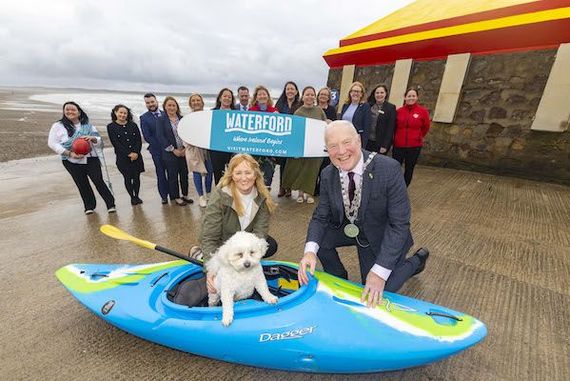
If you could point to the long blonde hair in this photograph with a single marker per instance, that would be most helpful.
(363, 97)
(227, 180)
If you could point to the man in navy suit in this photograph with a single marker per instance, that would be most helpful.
(148, 127)
(363, 203)
(243, 96)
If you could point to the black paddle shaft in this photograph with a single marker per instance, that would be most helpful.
(178, 255)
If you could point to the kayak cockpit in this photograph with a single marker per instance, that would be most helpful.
(189, 290)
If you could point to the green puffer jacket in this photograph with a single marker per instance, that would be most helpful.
(221, 220)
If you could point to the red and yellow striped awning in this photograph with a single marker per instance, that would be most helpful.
(428, 29)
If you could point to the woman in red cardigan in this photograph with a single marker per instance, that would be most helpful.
(412, 125)
(261, 102)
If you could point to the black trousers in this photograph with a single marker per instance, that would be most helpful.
(177, 176)
(408, 157)
(219, 161)
(404, 269)
(132, 183)
(81, 173)
(281, 161)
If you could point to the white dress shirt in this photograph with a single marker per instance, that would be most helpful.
(58, 135)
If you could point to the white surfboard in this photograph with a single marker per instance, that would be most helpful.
(256, 133)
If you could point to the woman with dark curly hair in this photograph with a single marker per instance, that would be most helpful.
(126, 139)
(74, 125)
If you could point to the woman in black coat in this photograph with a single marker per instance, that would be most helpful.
(126, 139)
(381, 132)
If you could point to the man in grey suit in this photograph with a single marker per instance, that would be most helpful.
(243, 96)
(363, 203)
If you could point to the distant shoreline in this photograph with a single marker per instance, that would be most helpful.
(96, 90)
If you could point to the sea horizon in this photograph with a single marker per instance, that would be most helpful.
(97, 103)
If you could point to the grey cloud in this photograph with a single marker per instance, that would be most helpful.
(193, 46)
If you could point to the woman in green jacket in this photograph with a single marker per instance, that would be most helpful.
(240, 201)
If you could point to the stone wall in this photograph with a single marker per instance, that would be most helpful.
(491, 130)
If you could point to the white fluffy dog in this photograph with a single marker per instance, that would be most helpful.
(238, 272)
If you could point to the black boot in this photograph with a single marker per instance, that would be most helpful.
(422, 255)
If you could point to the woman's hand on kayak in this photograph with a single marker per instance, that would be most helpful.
(211, 283)
(309, 260)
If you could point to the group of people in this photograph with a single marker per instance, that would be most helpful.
(363, 197)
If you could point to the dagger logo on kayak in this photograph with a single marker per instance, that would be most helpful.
(296, 333)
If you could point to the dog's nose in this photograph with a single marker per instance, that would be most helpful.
(246, 264)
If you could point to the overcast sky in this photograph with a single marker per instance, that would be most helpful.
(175, 45)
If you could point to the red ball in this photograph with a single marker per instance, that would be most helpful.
(81, 146)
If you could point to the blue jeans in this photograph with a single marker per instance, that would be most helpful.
(198, 179)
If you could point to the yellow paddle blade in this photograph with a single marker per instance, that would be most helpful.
(117, 233)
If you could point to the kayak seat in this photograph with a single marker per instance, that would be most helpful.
(192, 291)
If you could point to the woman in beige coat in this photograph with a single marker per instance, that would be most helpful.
(198, 159)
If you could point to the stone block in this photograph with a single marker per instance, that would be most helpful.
(453, 130)
(520, 114)
(491, 98)
(494, 130)
(503, 142)
(512, 131)
(478, 116)
(518, 144)
(516, 99)
(497, 113)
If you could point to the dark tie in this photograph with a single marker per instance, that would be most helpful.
(351, 186)
(156, 114)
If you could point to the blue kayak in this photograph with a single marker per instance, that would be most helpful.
(322, 327)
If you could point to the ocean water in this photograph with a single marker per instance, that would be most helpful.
(98, 105)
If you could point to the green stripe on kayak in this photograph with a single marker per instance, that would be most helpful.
(412, 320)
(71, 277)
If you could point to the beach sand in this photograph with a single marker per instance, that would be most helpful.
(24, 133)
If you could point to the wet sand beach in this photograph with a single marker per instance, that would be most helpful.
(25, 123)
(500, 251)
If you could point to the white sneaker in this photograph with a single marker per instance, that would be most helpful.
(203, 201)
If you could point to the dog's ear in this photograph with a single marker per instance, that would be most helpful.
(263, 246)
(223, 254)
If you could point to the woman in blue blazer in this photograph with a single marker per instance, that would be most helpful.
(357, 111)
(173, 152)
